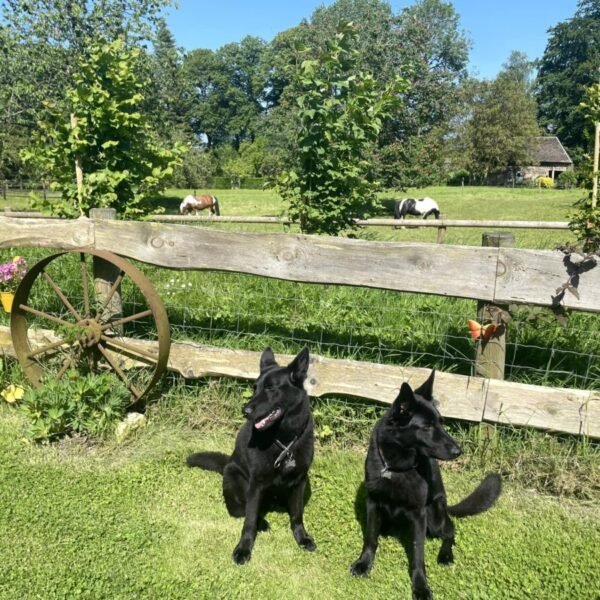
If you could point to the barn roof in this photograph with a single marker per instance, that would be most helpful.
(548, 149)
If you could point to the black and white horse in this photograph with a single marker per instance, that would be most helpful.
(422, 207)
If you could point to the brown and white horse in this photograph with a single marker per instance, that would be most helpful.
(193, 204)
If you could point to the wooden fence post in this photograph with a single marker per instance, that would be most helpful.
(441, 233)
(105, 274)
(490, 356)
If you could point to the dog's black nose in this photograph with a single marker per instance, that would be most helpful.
(247, 410)
(455, 451)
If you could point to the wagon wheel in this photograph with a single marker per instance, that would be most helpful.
(88, 335)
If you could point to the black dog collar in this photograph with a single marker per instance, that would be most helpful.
(386, 470)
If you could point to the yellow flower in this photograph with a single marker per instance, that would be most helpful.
(12, 393)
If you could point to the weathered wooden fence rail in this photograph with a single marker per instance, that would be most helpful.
(498, 275)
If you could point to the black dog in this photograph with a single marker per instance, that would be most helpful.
(403, 479)
(273, 452)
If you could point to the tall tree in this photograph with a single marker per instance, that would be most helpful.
(171, 92)
(230, 86)
(45, 39)
(501, 126)
(102, 133)
(340, 111)
(571, 62)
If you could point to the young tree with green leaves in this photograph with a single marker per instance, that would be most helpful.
(340, 112)
(104, 133)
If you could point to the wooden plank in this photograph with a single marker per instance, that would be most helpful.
(533, 276)
(502, 276)
(369, 222)
(459, 396)
(425, 268)
(46, 233)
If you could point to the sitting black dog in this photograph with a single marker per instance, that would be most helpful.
(273, 452)
(403, 479)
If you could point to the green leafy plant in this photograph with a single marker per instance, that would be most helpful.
(89, 405)
(340, 112)
(567, 180)
(106, 134)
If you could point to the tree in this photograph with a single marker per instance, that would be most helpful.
(571, 62)
(103, 132)
(230, 86)
(170, 96)
(341, 112)
(434, 56)
(41, 42)
(501, 126)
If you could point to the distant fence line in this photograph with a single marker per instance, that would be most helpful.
(408, 223)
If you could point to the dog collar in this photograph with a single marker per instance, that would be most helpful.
(386, 470)
(285, 455)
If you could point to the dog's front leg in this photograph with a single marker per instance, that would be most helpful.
(243, 550)
(373, 527)
(296, 508)
(420, 588)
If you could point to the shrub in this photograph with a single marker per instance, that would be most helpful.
(545, 182)
(86, 404)
(458, 177)
(567, 180)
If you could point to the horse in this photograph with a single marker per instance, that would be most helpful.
(193, 204)
(421, 207)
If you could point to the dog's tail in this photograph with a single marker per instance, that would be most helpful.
(211, 461)
(479, 500)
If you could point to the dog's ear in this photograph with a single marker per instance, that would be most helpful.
(267, 359)
(299, 367)
(426, 389)
(403, 405)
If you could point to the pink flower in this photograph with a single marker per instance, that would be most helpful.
(11, 273)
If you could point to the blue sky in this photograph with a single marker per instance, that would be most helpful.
(495, 27)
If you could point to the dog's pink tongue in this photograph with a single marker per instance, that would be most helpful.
(264, 422)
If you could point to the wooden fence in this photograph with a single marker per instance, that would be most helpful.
(496, 275)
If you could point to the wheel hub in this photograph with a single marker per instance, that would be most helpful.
(91, 336)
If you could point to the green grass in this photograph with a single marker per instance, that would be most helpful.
(134, 522)
(80, 519)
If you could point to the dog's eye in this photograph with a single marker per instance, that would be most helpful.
(428, 427)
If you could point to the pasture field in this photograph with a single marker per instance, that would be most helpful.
(97, 520)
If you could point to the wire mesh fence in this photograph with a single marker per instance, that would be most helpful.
(249, 312)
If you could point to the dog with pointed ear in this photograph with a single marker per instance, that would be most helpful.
(273, 453)
(402, 477)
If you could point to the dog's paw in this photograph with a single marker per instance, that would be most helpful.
(241, 555)
(422, 594)
(421, 590)
(445, 557)
(307, 543)
(360, 568)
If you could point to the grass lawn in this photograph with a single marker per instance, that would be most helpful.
(134, 522)
(101, 521)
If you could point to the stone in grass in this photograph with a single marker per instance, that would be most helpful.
(132, 422)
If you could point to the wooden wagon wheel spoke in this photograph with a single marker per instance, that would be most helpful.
(46, 348)
(110, 294)
(61, 295)
(88, 318)
(85, 284)
(44, 315)
(124, 320)
(68, 362)
(135, 350)
(119, 372)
